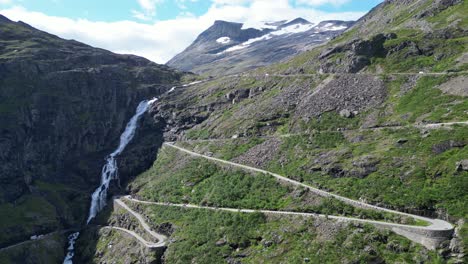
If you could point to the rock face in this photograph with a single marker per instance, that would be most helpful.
(357, 54)
(63, 105)
(456, 86)
(361, 93)
(228, 47)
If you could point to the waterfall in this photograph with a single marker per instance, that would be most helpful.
(71, 248)
(109, 172)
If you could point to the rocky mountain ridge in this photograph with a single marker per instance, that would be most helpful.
(228, 47)
(347, 117)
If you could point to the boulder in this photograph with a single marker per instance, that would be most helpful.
(221, 242)
(346, 113)
(447, 145)
(462, 165)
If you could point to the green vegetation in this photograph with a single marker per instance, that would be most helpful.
(464, 237)
(113, 246)
(425, 99)
(206, 236)
(409, 175)
(30, 215)
(45, 251)
(202, 182)
(225, 149)
(417, 174)
(198, 134)
(409, 59)
(198, 181)
(58, 205)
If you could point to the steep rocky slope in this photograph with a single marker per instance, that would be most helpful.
(228, 47)
(352, 115)
(63, 105)
(396, 36)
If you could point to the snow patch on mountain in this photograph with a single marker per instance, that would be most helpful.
(224, 40)
(248, 43)
(260, 25)
(292, 29)
(330, 27)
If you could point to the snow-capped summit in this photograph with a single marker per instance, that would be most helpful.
(228, 47)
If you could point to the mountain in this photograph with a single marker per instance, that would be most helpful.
(378, 114)
(344, 153)
(228, 47)
(63, 105)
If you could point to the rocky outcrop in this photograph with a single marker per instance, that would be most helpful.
(105, 245)
(447, 145)
(261, 154)
(353, 93)
(462, 165)
(456, 86)
(354, 56)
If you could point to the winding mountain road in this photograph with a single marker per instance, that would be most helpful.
(146, 243)
(430, 236)
(341, 74)
(421, 126)
(235, 210)
(162, 239)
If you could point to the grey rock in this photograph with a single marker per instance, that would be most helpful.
(346, 113)
(447, 145)
(402, 141)
(462, 165)
(267, 243)
(362, 92)
(221, 242)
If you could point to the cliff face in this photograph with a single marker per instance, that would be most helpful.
(63, 105)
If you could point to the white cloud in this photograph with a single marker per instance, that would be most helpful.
(322, 2)
(142, 16)
(5, 2)
(161, 40)
(231, 2)
(148, 7)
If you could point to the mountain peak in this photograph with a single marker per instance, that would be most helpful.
(224, 22)
(298, 20)
(222, 28)
(224, 44)
(4, 19)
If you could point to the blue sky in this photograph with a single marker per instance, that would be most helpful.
(164, 9)
(159, 29)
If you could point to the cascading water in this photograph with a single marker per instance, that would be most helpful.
(71, 248)
(109, 172)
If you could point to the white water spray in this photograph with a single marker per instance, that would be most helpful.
(71, 248)
(109, 172)
(110, 169)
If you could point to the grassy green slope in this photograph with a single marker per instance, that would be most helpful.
(179, 178)
(203, 236)
(406, 168)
